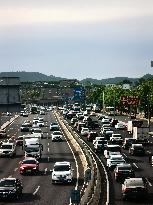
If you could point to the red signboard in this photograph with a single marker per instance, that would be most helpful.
(130, 100)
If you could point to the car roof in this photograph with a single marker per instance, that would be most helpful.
(124, 165)
(134, 182)
(62, 163)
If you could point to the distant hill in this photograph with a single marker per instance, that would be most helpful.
(30, 76)
(36, 76)
(114, 80)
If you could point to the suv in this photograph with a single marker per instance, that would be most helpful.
(91, 136)
(54, 126)
(3, 133)
(8, 149)
(134, 188)
(128, 142)
(62, 172)
(137, 149)
(10, 188)
(123, 171)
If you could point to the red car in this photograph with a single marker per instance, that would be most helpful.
(19, 141)
(29, 166)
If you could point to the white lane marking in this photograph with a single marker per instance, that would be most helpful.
(135, 165)
(48, 149)
(148, 182)
(47, 133)
(48, 159)
(45, 170)
(15, 169)
(37, 189)
(125, 155)
(48, 143)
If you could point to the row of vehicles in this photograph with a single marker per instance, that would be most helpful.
(110, 143)
(31, 143)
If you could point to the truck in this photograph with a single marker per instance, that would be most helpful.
(141, 134)
(32, 145)
(133, 123)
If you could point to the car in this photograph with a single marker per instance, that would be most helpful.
(7, 149)
(91, 136)
(56, 136)
(85, 131)
(42, 112)
(37, 130)
(113, 122)
(25, 114)
(40, 123)
(123, 171)
(80, 125)
(10, 188)
(54, 126)
(25, 127)
(114, 160)
(62, 172)
(134, 188)
(19, 141)
(128, 142)
(28, 123)
(107, 134)
(111, 148)
(120, 125)
(137, 149)
(116, 138)
(99, 145)
(29, 166)
(3, 133)
(73, 120)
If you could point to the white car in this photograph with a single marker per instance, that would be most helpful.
(114, 160)
(56, 136)
(111, 148)
(116, 138)
(37, 130)
(62, 172)
(54, 126)
(85, 131)
(120, 125)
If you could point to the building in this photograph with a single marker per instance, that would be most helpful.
(10, 100)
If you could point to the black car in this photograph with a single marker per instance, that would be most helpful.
(127, 143)
(123, 171)
(10, 188)
(137, 149)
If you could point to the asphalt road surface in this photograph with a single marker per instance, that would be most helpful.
(38, 189)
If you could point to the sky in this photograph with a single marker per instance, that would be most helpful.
(77, 38)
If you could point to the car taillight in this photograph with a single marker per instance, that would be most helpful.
(126, 189)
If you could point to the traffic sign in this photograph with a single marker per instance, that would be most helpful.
(130, 100)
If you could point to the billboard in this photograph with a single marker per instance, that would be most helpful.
(130, 100)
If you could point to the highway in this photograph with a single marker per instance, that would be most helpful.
(140, 165)
(38, 189)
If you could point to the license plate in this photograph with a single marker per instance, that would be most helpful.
(28, 170)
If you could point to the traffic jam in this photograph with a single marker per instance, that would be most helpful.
(123, 145)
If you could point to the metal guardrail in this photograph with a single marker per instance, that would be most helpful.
(91, 190)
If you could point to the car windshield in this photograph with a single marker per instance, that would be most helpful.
(31, 149)
(25, 125)
(6, 146)
(37, 131)
(29, 162)
(7, 183)
(124, 168)
(62, 168)
(54, 123)
(57, 133)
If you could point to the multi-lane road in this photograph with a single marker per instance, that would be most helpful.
(38, 189)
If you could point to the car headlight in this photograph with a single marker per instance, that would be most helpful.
(34, 168)
(13, 191)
